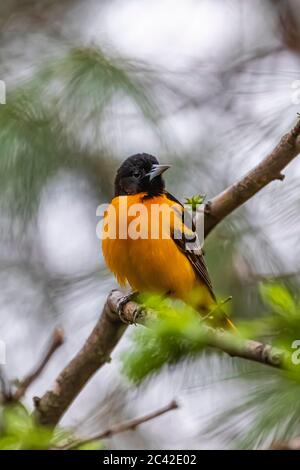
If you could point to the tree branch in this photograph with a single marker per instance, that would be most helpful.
(56, 341)
(266, 171)
(105, 336)
(229, 343)
(122, 427)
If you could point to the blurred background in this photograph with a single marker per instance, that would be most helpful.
(208, 86)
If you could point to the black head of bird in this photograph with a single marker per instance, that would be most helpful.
(140, 173)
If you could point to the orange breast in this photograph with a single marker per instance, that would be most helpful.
(153, 265)
(148, 265)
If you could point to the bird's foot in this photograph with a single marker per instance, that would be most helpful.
(122, 302)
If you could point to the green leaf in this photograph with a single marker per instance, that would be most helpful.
(19, 430)
(195, 200)
(278, 298)
(9, 443)
(93, 445)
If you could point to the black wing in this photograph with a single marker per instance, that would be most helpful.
(195, 255)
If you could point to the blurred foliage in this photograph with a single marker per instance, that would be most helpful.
(20, 431)
(173, 334)
(93, 445)
(92, 80)
(273, 408)
(33, 147)
(40, 124)
(281, 321)
(273, 404)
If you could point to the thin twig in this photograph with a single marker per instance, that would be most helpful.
(129, 425)
(56, 341)
(5, 388)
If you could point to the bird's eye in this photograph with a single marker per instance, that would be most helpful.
(136, 174)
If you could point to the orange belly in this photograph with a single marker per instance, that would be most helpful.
(150, 265)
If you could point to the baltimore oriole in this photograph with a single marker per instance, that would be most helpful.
(163, 264)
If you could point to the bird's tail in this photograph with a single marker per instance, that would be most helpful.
(229, 324)
(210, 309)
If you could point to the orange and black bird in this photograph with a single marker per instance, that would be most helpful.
(162, 264)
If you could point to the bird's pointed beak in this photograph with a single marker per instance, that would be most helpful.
(157, 170)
